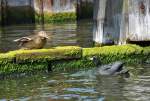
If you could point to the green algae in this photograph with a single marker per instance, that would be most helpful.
(70, 57)
(57, 17)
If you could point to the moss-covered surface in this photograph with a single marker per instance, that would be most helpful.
(63, 58)
(57, 17)
(29, 60)
(130, 54)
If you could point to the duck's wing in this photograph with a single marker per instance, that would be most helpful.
(106, 67)
(23, 39)
(104, 70)
(117, 66)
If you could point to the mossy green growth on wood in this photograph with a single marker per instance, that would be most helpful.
(130, 54)
(57, 17)
(127, 53)
(28, 60)
(70, 57)
(50, 54)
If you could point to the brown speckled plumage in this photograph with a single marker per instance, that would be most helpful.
(33, 42)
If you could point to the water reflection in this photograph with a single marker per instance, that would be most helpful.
(61, 34)
(76, 86)
(139, 89)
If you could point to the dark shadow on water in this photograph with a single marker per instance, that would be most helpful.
(85, 33)
(141, 43)
(84, 9)
(22, 14)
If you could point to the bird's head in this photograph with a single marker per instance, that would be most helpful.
(95, 60)
(43, 34)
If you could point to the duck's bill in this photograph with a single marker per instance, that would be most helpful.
(46, 37)
(91, 58)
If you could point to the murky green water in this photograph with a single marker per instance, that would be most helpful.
(81, 85)
(75, 33)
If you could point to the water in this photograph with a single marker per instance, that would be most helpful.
(75, 33)
(81, 85)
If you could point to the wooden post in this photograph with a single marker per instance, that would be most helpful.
(4, 12)
(50, 3)
(78, 9)
(99, 16)
(42, 14)
(124, 26)
(0, 12)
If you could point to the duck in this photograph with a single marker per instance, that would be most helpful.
(36, 41)
(115, 68)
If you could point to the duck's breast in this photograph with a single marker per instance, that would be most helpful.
(116, 66)
(40, 42)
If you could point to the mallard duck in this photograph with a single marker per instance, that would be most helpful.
(115, 68)
(36, 41)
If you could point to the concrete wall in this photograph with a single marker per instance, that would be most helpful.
(31, 11)
(56, 6)
(49, 5)
(18, 2)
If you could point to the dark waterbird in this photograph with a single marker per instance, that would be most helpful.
(116, 68)
(36, 41)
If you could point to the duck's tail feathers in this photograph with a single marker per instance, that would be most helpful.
(23, 39)
(124, 72)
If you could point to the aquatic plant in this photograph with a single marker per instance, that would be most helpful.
(57, 17)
